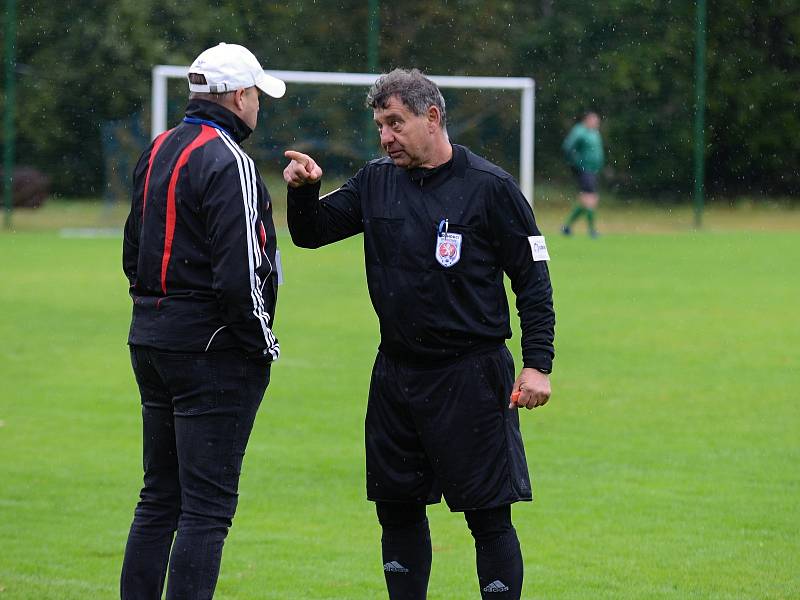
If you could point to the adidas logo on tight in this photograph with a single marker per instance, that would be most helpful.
(395, 567)
(496, 586)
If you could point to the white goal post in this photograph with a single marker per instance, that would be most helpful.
(161, 73)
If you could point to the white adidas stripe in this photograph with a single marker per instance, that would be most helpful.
(249, 211)
(247, 180)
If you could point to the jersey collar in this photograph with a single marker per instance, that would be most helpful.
(455, 166)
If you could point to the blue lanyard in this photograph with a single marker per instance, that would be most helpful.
(196, 121)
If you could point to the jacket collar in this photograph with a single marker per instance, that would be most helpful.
(210, 111)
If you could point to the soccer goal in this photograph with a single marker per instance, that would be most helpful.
(525, 85)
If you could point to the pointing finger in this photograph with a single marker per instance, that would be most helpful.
(303, 159)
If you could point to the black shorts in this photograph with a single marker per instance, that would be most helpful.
(587, 182)
(445, 430)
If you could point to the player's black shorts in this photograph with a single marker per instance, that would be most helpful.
(445, 430)
(587, 182)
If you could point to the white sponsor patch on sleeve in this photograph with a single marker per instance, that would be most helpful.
(538, 247)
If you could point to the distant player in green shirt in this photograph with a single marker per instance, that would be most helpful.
(583, 150)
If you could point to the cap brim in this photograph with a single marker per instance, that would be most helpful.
(272, 86)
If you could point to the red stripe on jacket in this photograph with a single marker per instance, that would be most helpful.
(156, 145)
(262, 233)
(206, 135)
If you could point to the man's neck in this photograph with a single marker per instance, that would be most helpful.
(442, 153)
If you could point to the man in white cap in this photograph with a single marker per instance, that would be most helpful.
(201, 257)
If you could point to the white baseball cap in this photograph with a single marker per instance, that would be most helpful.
(229, 67)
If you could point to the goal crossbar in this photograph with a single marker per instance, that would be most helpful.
(526, 85)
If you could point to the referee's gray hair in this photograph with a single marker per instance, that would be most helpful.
(413, 89)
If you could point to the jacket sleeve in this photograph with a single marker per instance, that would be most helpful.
(133, 225)
(315, 221)
(240, 268)
(513, 224)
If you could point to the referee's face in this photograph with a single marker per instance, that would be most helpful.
(406, 137)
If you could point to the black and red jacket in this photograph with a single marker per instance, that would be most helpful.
(200, 248)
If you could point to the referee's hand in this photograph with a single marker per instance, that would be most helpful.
(533, 387)
(301, 170)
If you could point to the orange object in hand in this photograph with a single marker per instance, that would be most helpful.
(515, 397)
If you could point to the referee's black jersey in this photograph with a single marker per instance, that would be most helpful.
(436, 244)
(200, 246)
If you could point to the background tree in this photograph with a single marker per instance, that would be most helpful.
(84, 63)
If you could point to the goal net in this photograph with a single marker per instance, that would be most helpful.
(323, 114)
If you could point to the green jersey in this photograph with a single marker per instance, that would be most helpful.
(583, 149)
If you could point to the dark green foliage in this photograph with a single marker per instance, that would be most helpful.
(82, 63)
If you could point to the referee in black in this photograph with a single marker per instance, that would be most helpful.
(441, 225)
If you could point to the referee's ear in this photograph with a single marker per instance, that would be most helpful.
(434, 117)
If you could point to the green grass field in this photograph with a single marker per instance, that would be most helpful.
(667, 464)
